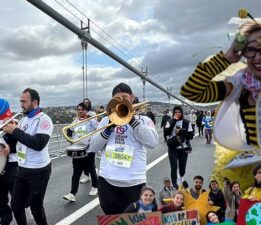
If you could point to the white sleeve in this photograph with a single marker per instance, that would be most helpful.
(146, 133)
(45, 125)
(190, 127)
(94, 123)
(97, 140)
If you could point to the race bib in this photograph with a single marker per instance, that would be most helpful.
(21, 153)
(119, 155)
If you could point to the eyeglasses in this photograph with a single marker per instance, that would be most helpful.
(250, 52)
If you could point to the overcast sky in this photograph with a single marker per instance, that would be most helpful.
(168, 36)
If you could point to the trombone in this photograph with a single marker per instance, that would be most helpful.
(2, 133)
(120, 112)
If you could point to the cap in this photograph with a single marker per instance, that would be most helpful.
(122, 88)
(166, 179)
(5, 112)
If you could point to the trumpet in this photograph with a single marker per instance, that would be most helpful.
(2, 133)
(120, 112)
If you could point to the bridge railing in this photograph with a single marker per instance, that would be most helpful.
(58, 143)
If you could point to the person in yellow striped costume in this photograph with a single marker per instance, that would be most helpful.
(236, 124)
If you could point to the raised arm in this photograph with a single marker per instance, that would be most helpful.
(201, 88)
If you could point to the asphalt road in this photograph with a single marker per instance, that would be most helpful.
(86, 208)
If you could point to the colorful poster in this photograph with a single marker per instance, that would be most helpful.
(245, 205)
(188, 217)
(151, 218)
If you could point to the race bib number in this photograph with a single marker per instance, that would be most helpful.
(21, 153)
(119, 155)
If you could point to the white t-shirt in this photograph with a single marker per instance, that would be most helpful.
(30, 158)
(124, 159)
(84, 128)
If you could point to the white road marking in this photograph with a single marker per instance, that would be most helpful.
(91, 205)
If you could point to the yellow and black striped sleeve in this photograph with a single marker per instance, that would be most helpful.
(200, 87)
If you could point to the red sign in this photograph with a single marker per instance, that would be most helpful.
(245, 205)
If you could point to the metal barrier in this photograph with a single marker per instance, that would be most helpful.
(57, 142)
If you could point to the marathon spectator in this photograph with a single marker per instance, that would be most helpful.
(213, 218)
(177, 204)
(167, 191)
(216, 198)
(232, 194)
(146, 203)
(197, 190)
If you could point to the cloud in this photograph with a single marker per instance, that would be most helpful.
(169, 37)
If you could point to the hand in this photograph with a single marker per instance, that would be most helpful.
(5, 151)
(233, 55)
(210, 202)
(252, 198)
(9, 128)
(110, 128)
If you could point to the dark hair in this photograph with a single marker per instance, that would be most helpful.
(212, 181)
(121, 88)
(33, 94)
(82, 105)
(89, 105)
(208, 220)
(148, 188)
(198, 177)
(177, 107)
(233, 183)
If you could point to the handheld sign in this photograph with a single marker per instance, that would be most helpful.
(149, 218)
(188, 217)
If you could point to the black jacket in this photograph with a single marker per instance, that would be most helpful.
(187, 135)
(164, 120)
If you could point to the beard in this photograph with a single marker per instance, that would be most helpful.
(29, 109)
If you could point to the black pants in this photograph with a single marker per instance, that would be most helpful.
(178, 159)
(29, 190)
(200, 129)
(6, 187)
(113, 199)
(193, 128)
(80, 165)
